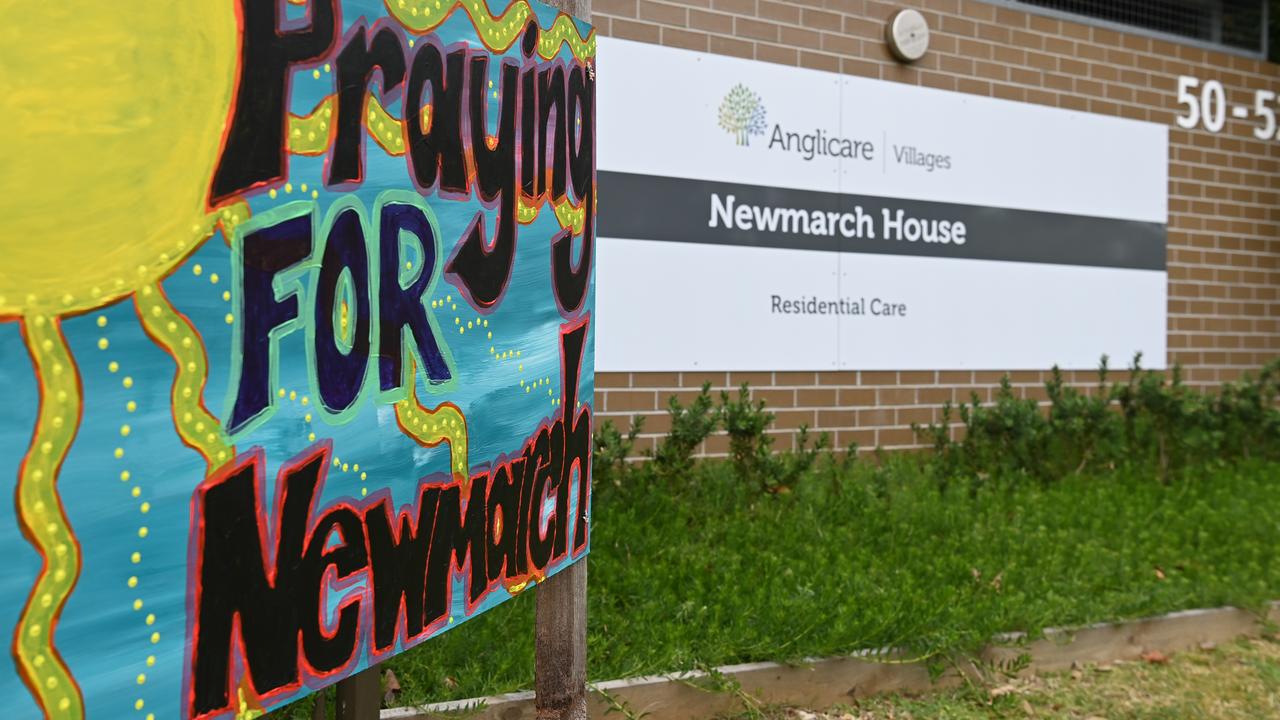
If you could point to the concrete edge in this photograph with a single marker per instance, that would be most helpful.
(823, 682)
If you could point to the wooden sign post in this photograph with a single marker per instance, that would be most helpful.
(560, 624)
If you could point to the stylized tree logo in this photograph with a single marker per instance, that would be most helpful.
(742, 114)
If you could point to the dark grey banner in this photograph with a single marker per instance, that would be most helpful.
(648, 207)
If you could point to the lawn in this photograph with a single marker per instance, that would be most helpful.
(712, 571)
(1129, 499)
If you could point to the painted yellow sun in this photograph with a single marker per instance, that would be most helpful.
(113, 120)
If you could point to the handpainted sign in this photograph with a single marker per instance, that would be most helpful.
(296, 348)
(814, 221)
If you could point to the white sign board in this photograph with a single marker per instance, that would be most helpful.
(761, 217)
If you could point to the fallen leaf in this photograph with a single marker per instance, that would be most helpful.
(1155, 657)
(1003, 690)
(1159, 573)
(390, 688)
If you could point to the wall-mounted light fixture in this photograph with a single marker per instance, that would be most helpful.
(908, 35)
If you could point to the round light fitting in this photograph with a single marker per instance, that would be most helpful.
(907, 35)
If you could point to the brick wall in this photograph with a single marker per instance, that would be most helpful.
(1224, 189)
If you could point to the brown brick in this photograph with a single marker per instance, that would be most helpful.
(664, 13)
(861, 27)
(841, 44)
(737, 7)
(876, 417)
(779, 54)
(630, 401)
(710, 21)
(778, 12)
(937, 80)
(816, 397)
(821, 20)
(799, 38)
(755, 29)
(731, 46)
(838, 377)
(919, 415)
(861, 68)
(1023, 76)
(655, 379)
(697, 379)
(935, 395)
(617, 8)
(878, 377)
(1009, 92)
(794, 378)
(754, 379)
(686, 39)
(820, 61)
(1042, 24)
(659, 423)
(957, 26)
(856, 397)
(793, 419)
(775, 398)
(973, 87)
(917, 377)
(891, 437)
(613, 380)
(865, 439)
(837, 418)
(896, 396)
(996, 34)
(641, 32)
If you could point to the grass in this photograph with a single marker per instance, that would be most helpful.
(712, 571)
(1133, 498)
(1239, 681)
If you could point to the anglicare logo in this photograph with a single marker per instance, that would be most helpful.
(742, 114)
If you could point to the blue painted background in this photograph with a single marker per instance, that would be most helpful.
(106, 641)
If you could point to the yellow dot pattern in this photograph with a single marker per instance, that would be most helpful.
(310, 134)
(430, 427)
(386, 130)
(338, 464)
(231, 216)
(40, 512)
(175, 334)
(497, 32)
(135, 557)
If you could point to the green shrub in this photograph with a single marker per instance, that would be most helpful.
(1151, 420)
(746, 422)
(691, 425)
(609, 464)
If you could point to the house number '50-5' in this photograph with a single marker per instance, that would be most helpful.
(1209, 108)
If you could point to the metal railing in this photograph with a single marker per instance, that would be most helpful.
(1235, 26)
